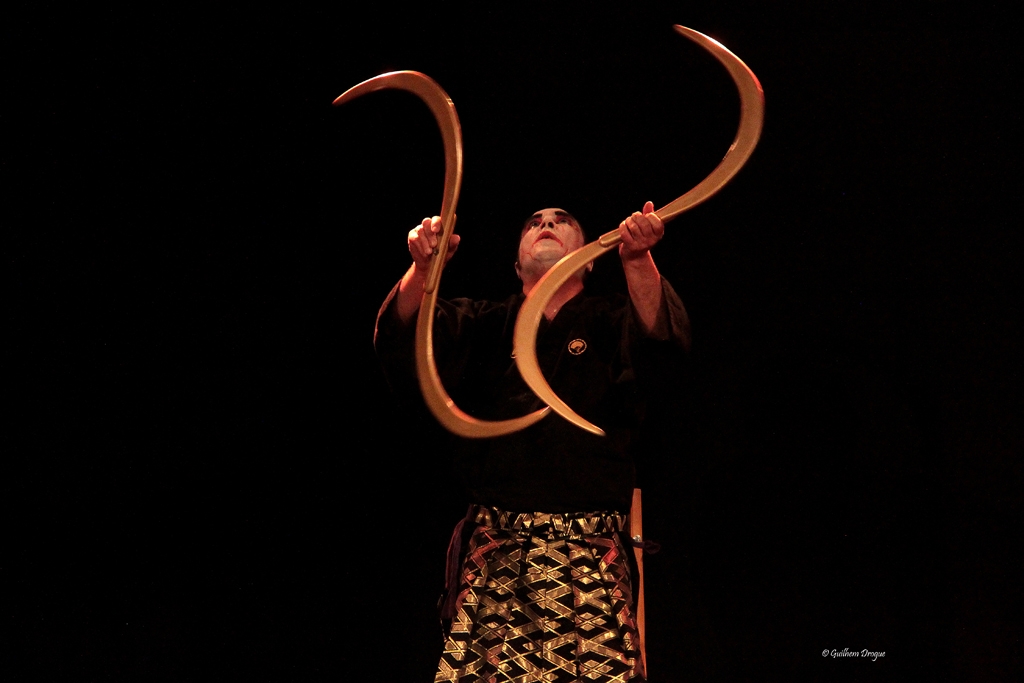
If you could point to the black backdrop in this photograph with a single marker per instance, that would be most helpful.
(210, 479)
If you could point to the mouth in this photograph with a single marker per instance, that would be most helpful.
(547, 235)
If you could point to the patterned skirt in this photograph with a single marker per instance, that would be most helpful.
(545, 598)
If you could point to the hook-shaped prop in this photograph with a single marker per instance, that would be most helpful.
(528, 322)
(434, 394)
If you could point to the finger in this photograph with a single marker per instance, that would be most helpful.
(656, 223)
(658, 229)
(643, 232)
(425, 246)
(642, 228)
(435, 224)
(425, 239)
(655, 219)
(416, 245)
(626, 233)
(414, 238)
(654, 226)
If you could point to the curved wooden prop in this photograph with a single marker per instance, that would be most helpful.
(751, 120)
(636, 532)
(436, 398)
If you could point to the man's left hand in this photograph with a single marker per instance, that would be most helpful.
(640, 232)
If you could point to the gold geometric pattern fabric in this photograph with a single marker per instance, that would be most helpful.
(543, 598)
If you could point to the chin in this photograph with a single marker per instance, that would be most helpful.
(552, 255)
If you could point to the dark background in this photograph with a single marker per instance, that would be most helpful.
(208, 478)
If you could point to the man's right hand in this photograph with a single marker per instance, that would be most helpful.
(423, 240)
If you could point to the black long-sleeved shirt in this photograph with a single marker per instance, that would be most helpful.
(595, 356)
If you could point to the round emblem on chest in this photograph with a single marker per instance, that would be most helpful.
(577, 346)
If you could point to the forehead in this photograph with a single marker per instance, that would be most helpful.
(549, 213)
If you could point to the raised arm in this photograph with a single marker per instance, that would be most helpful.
(422, 242)
(640, 232)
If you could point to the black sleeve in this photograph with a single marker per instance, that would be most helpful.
(458, 324)
(658, 357)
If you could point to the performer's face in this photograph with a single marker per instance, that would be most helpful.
(548, 235)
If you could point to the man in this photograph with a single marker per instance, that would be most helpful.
(545, 583)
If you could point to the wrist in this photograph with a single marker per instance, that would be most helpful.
(415, 278)
(420, 270)
(640, 259)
